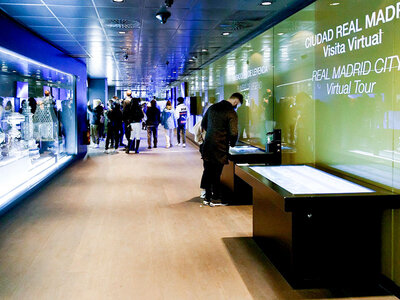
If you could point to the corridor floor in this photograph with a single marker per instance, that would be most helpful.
(132, 227)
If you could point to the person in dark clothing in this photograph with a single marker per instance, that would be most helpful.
(126, 106)
(136, 117)
(153, 120)
(94, 117)
(32, 104)
(181, 115)
(221, 125)
(114, 116)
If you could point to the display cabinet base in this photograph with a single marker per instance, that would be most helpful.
(319, 244)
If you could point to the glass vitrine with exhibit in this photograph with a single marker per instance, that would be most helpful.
(37, 122)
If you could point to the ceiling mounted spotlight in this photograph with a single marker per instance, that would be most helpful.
(119, 1)
(226, 33)
(163, 14)
(266, 3)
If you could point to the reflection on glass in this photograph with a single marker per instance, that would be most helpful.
(37, 121)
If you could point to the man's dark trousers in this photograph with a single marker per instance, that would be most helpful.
(211, 179)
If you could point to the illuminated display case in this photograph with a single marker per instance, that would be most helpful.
(319, 230)
(37, 128)
(305, 180)
(235, 189)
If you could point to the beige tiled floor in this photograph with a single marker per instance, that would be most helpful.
(132, 227)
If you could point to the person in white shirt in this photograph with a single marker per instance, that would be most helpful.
(181, 116)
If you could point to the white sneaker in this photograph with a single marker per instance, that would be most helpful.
(205, 202)
(106, 152)
(203, 194)
(214, 203)
(183, 145)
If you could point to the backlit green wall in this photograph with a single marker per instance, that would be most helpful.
(340, 111)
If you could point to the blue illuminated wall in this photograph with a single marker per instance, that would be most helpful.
(20, 40)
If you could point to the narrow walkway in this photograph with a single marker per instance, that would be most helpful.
(132, 227)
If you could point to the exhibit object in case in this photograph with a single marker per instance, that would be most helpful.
(45, 121)
(319, 230)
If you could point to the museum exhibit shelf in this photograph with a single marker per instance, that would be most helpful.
(236, 190)
(319, 229)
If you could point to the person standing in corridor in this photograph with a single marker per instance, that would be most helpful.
(126, 110)
(153, 120)
(181, 115)
(136, 117)
(221, 125)
(168, 121)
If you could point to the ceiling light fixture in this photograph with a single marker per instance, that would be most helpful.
(163, 14)
(226, 33)
(121, 32)
(204, 50)
(266, 3)
(334, 3)
(280, 33)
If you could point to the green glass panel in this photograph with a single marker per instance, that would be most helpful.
(294, 100)
(354, 94)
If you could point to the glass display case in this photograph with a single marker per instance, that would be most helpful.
(37, 123)
(301, 179)
(318, 229)
(244, 150)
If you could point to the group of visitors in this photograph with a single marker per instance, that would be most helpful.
(217, 131)
(129, 116)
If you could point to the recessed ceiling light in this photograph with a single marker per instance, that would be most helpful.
(266, 3)
(226, 33)
(335, 3)
(280, 33)
(118, 1)
(204, 50)
(121, 32)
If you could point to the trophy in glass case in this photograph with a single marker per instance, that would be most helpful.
(16, 145)
(45, 125)
(27, 132)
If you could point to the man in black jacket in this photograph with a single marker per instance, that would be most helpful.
(153, 120)
(221, 124)
(95, 117)
(114, 116)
